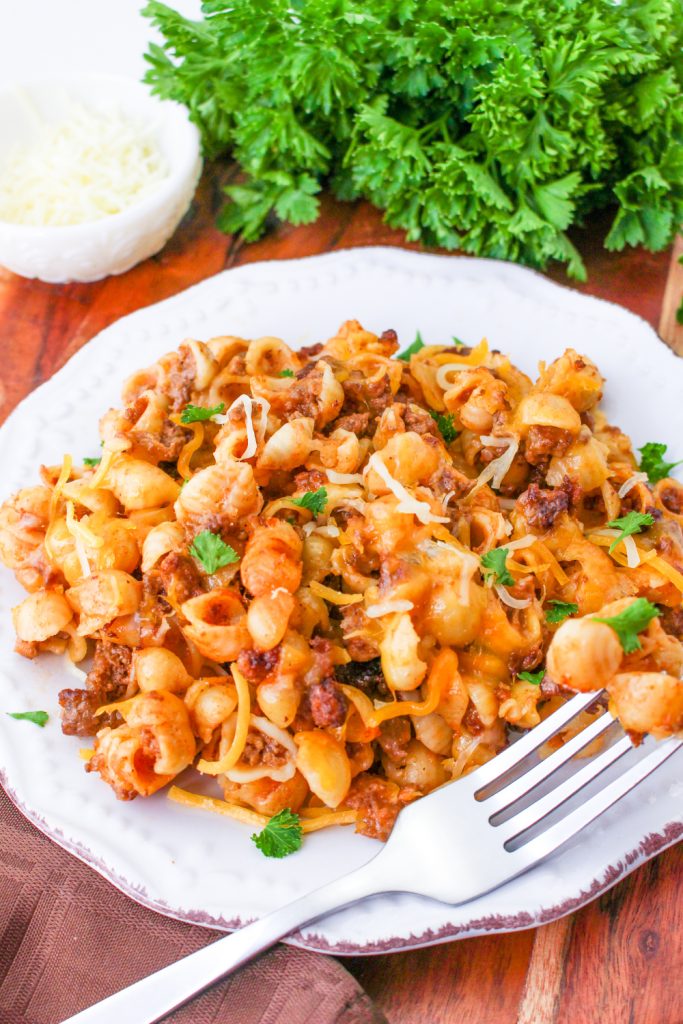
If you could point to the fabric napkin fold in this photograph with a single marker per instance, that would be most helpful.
(68, 938)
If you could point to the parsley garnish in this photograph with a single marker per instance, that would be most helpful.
(629, 524)
(535, 678)
(444, 422)
(560, 611)
(197, 413)
(286, 373)
(314, 501)
(92, 462)
(37, 717)
(457, 342)
(412, 349)
(212, 551)
(495, 562)
(281, 836)
(630, 622)
(652, 461)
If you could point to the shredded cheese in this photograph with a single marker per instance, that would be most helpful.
(522, 542)
(249, 817)
(188, 450)
(103, 468)
(637, 478)
(282, 773)
(509, 600)
(122, 706)
(333, 596)
(375, 611)
(248, 403)
(85, 167)
(343, 478)
(230, 759)
(632, 555)
(663, 567)
(497, 469)
(406, 502)
(373, 716)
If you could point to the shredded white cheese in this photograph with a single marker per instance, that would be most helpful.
(497, 470)
(508, 599)
(343, 478)
(248, 403)
(523, 542)
(86, 167)
(406, 502)
(375, 611)
(632, 554)
(637, 478)
(446, 498)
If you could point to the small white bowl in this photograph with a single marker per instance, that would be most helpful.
(113, 244)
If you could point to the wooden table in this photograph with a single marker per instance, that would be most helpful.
(617, 961)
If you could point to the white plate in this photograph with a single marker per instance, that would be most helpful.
(203, 868)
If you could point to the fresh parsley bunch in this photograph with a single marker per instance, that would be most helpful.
(473, 124)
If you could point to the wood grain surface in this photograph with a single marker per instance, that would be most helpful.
(617, 961)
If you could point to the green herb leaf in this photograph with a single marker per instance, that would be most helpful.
(281, 836)
(412, 349)
(286, 373)
(457, 342)
(212, 551)
(629, 524)
(560, 611)
(652, 461)
(494, 561)
(90, 463)
(446, 425)
(37, 717)
(535, 678)
(197, 413)
(633, 620)
(314, 501)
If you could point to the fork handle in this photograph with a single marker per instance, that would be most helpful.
(154, 997)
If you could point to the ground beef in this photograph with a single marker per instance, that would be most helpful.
(27, 648)
(180, 577)
(472, 721)
(543, 442)
(672, 499)
(356, 422)
(308, 351)
(256, 665)
(366, 676)
(419, 421)
(378, 803)
(362, 394)
(181, 378)
(309, 480)
(164, 447)
(448, 478)
(106, 682)
(542, 507)
(328, 704)
(394, 737)
(672, 621)
(525, 661)
(360, 648)
(152, 611)
(263, 750)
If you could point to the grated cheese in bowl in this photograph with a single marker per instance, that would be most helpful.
(83, 168)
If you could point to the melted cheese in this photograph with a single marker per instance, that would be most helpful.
(406, 502)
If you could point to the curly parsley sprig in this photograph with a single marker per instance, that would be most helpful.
(281, 836)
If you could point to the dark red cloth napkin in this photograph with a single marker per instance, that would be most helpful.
(69, 938)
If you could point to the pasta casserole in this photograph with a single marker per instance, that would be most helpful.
(334, 579)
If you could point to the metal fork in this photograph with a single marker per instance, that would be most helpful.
(445, 846)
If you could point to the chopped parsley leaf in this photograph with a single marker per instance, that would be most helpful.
(314, 501)
(457, 342)
(629, 524)
(630, 622)
(197, 413)
(495, 562)
(212, 551)
(652, 461)
(286, 373)
(91, 463)
(444, 422)
(281, 836)
(412, 349)
(535, 678)
(560, 611)
(37, 717)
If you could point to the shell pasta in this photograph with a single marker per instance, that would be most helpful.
(331, 580)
